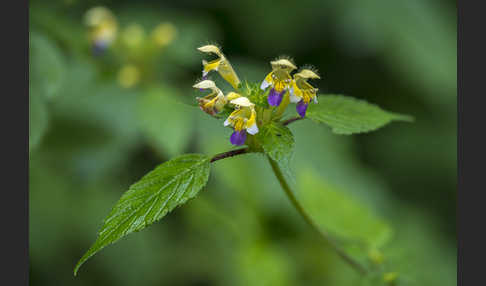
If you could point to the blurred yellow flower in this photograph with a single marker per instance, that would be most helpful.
(390, 277)
(164, 34)
(128, 76)
(133, 35)
(103, 27)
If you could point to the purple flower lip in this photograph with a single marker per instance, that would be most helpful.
(99, 47)
(238, 137)
(302, 108)
(275, 97)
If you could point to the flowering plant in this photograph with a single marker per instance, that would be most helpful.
(257, 113)
(250, 108)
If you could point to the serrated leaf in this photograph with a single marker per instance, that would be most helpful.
(47, 66)
(165, 121)
(347, 115)
(278, 142)
(150, 199)
(353, 225)
(37, 119)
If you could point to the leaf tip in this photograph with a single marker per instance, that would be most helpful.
(76, 268)
(81, 261)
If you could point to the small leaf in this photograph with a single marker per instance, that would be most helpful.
(278, 142)
(347, 115)
(169, 185)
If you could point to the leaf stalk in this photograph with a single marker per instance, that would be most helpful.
(288, 121)
(229, 154)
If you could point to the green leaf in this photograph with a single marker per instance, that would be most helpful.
(166, 123)
(255, 94)
(347, 115)
(352, 224)
(47, 65)
(169, 185)
(38, 119)
(278, 142)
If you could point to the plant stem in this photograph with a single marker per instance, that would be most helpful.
(229, 154)
(283, 183)
(288, 121)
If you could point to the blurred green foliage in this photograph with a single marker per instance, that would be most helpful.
(92, 136)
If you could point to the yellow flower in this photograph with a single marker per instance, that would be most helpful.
(242, 119)
(214, 102)
(301, 89)
(221, 65)
(232, 95)
(103, 27)
(164, 34)
(279, 79)
(301, 92)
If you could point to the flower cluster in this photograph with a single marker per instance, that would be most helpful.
(242, 119)
(280, 81)
(132, 40)
(284, 88)
(103, 28)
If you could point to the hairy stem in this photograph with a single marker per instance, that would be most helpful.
(229, 154)
(288, 121)
(283, 183)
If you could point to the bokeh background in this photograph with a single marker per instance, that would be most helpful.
(98, 122)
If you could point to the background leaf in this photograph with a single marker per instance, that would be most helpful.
(94, 128)
(46, 65)
(150, 199)
(351, 223)
(165, 121)
(347, 115)
(37, 120)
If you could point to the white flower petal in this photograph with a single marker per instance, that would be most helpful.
(205, 84)
(264, 85)
(252, 129)
(293, 98)
(226, 122)
(315, 99)
(242, 101)
(210, 49)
